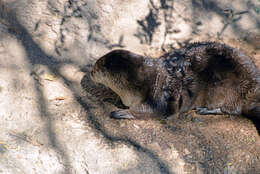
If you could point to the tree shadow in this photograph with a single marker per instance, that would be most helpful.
(150, 23)
(148, 26)
(211, 147)
(230, 17)
(37, 56)
(162, 166)
(201, 153)
(73, 9)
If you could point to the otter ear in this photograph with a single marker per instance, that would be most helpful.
(121, 59)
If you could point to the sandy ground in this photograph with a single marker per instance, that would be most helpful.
(54, 119)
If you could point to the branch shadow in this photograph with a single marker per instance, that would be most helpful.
(150, 23)
(148, 26)
(230, 17)
(37, 56)
(72, 9)
(96, 125)
(201, 154)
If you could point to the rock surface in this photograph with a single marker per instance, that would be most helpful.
(54, 119)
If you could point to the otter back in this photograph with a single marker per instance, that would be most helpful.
(212, 77)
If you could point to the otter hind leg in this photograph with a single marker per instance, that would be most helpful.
(122, 114)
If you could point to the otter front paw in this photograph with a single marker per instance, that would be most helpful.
(206, 111)
(122, 114)
(201, 111)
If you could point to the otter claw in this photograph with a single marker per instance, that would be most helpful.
(121, 114)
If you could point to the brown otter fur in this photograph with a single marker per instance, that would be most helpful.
(212, 77)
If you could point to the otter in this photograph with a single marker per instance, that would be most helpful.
(210, 77)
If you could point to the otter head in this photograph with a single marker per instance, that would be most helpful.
(118, 70)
